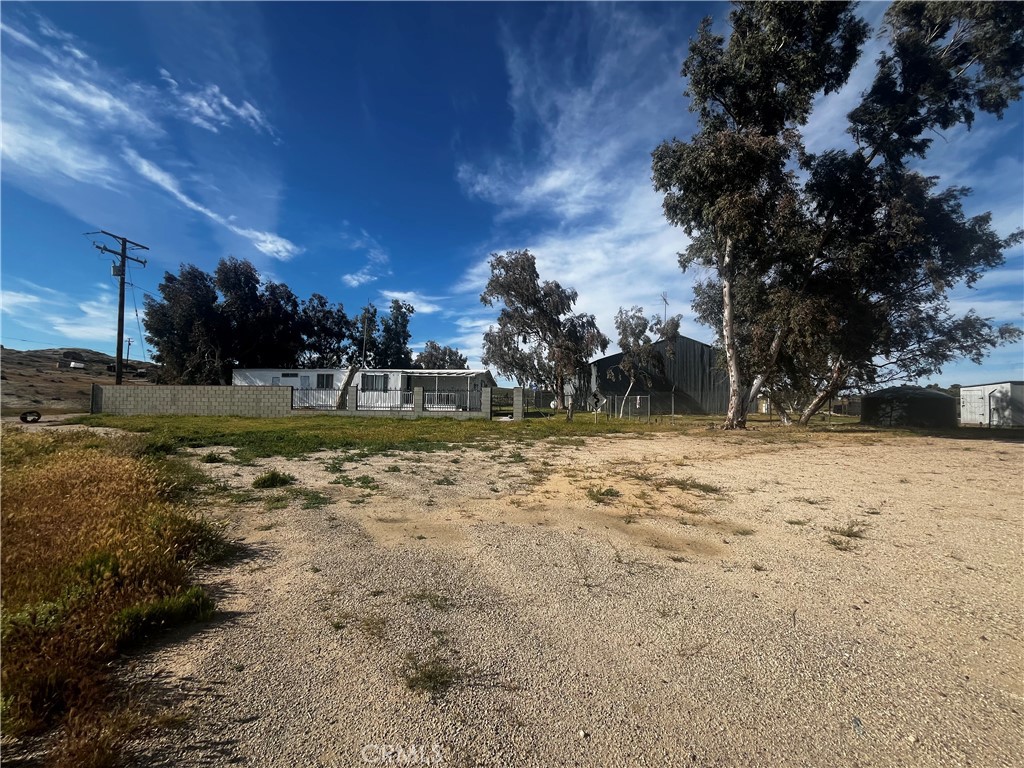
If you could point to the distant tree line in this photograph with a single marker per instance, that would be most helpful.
(204, 325)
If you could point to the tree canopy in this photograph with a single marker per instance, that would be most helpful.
(203, 326)
(832, 270)
(538, 339)
(638, 340)
(436, 357)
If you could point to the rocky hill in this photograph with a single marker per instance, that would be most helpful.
(45, 380)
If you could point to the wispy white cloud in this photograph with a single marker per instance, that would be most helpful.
(378, 259)
(578, 168)
(68, 120)
(43, 152)
(208, 107)
(14, 302)
(424, 305)
(268, 243)
(46, 311)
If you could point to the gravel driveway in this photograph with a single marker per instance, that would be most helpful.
(619, 601)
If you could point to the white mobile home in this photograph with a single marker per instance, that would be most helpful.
(378, 389)
(311, 387)
(993, 405)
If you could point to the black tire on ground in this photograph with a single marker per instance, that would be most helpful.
(31, 417)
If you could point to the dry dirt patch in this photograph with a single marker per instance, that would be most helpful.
(616, 601)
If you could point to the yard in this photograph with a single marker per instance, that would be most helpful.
(624, 600)
(778, 597)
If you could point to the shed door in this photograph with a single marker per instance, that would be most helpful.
(304, 382)
(972, 406)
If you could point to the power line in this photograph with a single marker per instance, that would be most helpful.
(138, 322)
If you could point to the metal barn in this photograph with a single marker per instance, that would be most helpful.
(691, 381)
(993, 405)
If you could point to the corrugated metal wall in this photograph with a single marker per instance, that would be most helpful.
(690, 372)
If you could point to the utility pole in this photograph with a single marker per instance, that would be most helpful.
(119, 270)
(664, 298)
(128, 353)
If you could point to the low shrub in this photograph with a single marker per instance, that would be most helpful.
(273, 479)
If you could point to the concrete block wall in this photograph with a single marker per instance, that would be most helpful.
(141, 400)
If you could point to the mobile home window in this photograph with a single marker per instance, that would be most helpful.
(325, 381)
(375, 382)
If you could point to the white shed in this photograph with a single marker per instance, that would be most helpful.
(1000, 404)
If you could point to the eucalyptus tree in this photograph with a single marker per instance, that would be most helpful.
(326, 334)
(538, 338)
(732, 180)
(187, 330)
(639, 339)
(393, 345)
(436, 357)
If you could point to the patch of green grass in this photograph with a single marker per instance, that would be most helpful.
(842, 544)
(212, 458)
(273, 479)
(313, 499)
(575, 442)
(139, 621)
(242, 497)
(516, 457)
(689, 484)
(435, 600)
(853, 529)
(393, 468)
(296, 436)
(276, 502)
(434, 675)
(602, 495)
(374, 624)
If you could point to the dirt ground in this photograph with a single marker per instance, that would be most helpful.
(618, 601)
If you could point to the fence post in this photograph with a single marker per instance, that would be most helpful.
(518, 411)
(353, 399)
(485, 402)
(417, 402)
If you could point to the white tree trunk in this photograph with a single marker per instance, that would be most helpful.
(773, 355)
(622, 408)
(827, 392)
(736, 418)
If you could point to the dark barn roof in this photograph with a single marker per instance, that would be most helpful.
(690, 374)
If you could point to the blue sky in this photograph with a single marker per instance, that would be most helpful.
(378, 151)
